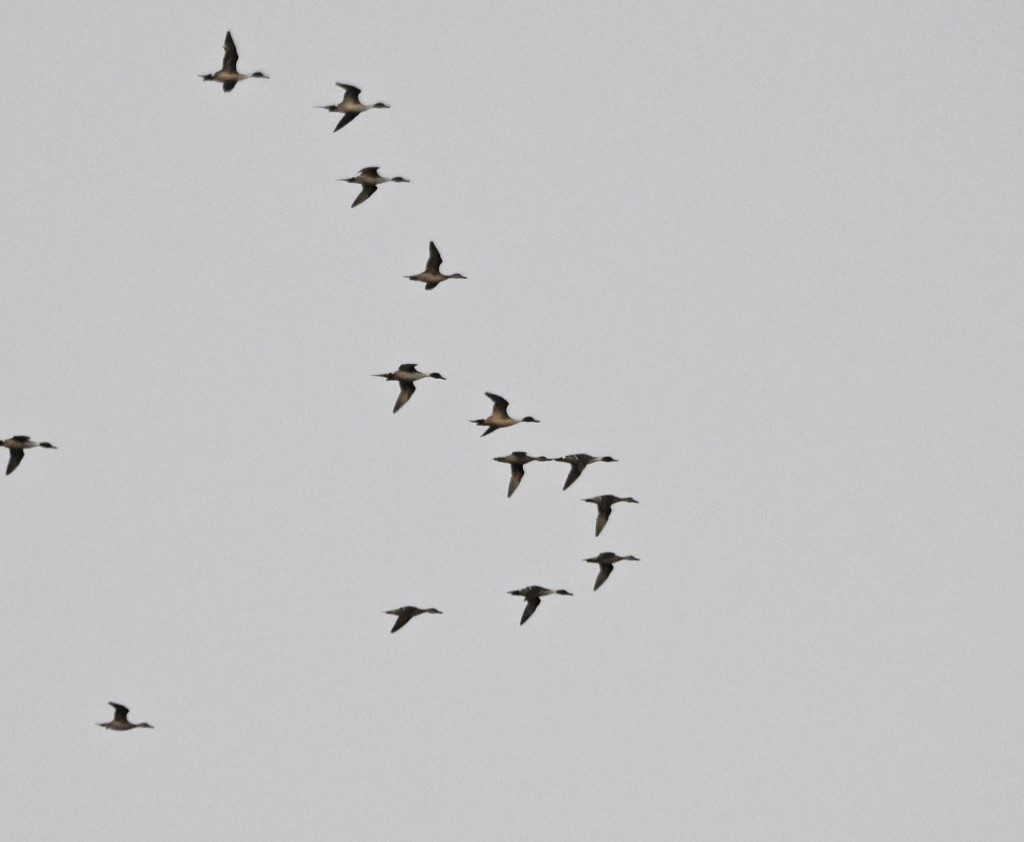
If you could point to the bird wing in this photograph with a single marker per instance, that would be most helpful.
(348, 118)
(370, 171)
(228, 86)
(518, 472)
(500, 404)
(431, 285)
(407, 388)
(17, 454)
(434, 261)
(604, 512)
(574, 474)
(230, 56)
(531, 606)
(401, 621)
(351, 91)
(120, 711)
(407, 367)
(604, 573)
(367, 191)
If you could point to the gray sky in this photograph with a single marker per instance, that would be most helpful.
(767, 256)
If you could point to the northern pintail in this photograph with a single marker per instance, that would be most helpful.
(499, 416)
(532, 595)
(606, 560)
(518, 460)
(18, 445)
(406, 613)
(120, 721)
(228, 73)
(578, 461)
(432, 275)
(350, 106)
(406, 377)
(370, 178)
(604, 505)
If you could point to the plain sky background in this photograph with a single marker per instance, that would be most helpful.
(767, 255)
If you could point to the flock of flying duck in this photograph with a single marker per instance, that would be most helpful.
(406, 376)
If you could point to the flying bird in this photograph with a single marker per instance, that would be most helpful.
(604, 505)
(432, 275)
(406, 377)
(606, 560)
(406, 613)
(120, 721)
(499, 416)
(532, 595)
(577, 462)
(370, 179)
(350, 106)
(18, 445)
(518, 460)
(228, 73)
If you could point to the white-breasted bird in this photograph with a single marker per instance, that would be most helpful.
(370, 178)
(350, 106)
(18, 445)
(499, 416)
(228, 74)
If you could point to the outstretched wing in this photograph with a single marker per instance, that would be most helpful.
(603, 513)
(604, 573)
(367, 191)
(228, 86)
(17, 454)
(344, 121)
(574, 474)
(407, 388)
(500, 404)
(401, 621)
(531, 606)
(434, 261)
(351, 91)
(518, 472)
(230, 56)
(120, 711)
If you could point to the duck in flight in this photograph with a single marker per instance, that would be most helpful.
(499, 416)
(18, 445)
(406, 613)
(120, 721)
(606, 560)
(604, 505)
(350, 106)
(518, 460)
(406, 377)
(228, 73)
(432, 275)
(370, 179)
(577, 462)
(532, 595)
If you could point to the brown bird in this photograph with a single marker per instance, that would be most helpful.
(120, 721)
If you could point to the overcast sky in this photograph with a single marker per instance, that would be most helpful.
(766, 255)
